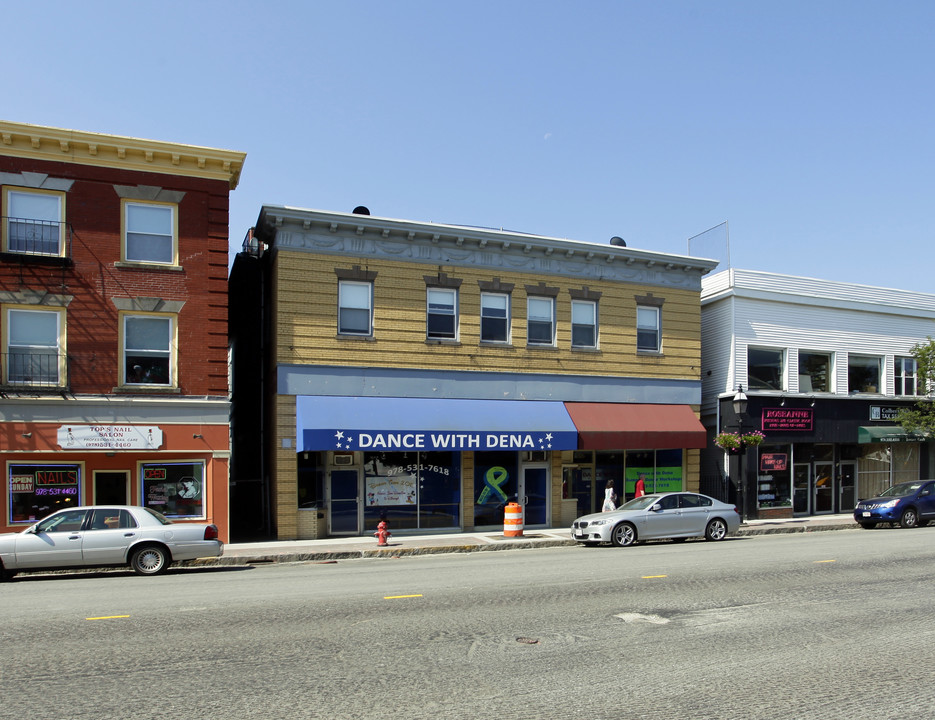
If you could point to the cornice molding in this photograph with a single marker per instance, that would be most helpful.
(38, 142)
(321, 232)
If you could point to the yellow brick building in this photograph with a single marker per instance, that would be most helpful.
(429, 374)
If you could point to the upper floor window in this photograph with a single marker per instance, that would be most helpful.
(494, 317)
(150, 232)
(148, 343)
(648, 328)
(814, 372)
(355, 303)
(583, 323)
(441, 313)
(34, 342)
(906, 376)
(34, 221)
(864, 374)
(540, 321)
(766, 369)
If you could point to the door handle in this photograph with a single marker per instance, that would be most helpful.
(129, 534)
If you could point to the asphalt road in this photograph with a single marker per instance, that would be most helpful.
(834, 625)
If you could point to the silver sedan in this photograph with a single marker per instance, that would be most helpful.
(99, 535)
(654, 517)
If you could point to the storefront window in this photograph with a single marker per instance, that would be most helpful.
(863, 374)
(774, 479)
(174, 489)
(311, 479)
(412, 490)
(661, 470)
(873, 469)
(495, 484)
(35, 491)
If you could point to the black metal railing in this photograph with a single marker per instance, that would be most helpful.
(45, 238)
(27, 369)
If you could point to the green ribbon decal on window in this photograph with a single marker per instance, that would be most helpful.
(493, 479)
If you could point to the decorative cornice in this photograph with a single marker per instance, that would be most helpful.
(38, 142)
(358, 236)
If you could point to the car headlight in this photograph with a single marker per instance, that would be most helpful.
(598, 522)
(889, 504)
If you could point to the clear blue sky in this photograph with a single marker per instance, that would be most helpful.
(807, 125)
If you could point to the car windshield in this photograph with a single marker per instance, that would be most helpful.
(901, 490)
(159, 516)
(640, 503)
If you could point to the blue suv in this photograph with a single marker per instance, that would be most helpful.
(911, 504)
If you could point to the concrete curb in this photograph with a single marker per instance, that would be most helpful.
(399, 550)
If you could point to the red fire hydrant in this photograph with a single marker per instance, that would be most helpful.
(382, 534)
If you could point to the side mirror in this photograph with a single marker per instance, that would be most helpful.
(656, 508)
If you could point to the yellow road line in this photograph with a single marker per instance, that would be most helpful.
(108, 617)
(824, 561)
(651, 577)
(397, 597)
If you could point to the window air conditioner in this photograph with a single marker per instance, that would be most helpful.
(344, 458)
(534, 456)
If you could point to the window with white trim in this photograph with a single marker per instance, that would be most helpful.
(540, 321)
(148, 350)
(648, 328)
(441, 313)
(33, 346)
(494, 317)
(907, 376)
(583, 323)
(766, 368)
(150, 232)
(34, 221)
(864, 374)
(355, 308)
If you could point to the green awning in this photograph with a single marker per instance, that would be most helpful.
(886, 434)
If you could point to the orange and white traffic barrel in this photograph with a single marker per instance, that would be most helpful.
(513, 520)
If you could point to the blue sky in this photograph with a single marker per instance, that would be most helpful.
(806, 125)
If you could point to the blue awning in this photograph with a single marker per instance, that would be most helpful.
(401, 424)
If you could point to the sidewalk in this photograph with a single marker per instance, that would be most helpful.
(346, 548)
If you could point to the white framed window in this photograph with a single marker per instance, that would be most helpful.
(33, 222)
(34, 342)
(583, 323)
(766, 368)
(906, 373)
(540, 321)
(355, 308)
(441, 313)
(648, 328)
(815, 372)
(864, 374)
(148, 349)
(495, 317)
(150, 232)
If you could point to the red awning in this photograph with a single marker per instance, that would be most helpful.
(632, 426)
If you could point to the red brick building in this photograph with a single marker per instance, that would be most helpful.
(113, 324)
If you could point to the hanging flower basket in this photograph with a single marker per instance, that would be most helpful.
(753, 438)
(732, 442)
(727, 441)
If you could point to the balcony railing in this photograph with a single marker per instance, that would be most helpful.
(26, 370)
(43, 238)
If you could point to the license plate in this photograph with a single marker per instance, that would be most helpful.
(865, 513)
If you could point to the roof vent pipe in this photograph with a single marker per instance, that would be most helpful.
(618, 241)
(361, 210)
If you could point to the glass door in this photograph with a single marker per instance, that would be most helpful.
(824, 487)
(344, 508)
(847, 486)
(534, 495)
(110, 488)
(801, 489)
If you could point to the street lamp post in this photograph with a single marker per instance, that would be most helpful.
(740, 409)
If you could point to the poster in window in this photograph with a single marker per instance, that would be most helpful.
(35, 491)
(174, 489)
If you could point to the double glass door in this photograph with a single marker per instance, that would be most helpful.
(823, 487)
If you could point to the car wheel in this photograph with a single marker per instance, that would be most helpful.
(623, 535)
(5, 574)
(923, 523)
(909, 518)
(150, 560)
(868, 525)
(716, 530)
